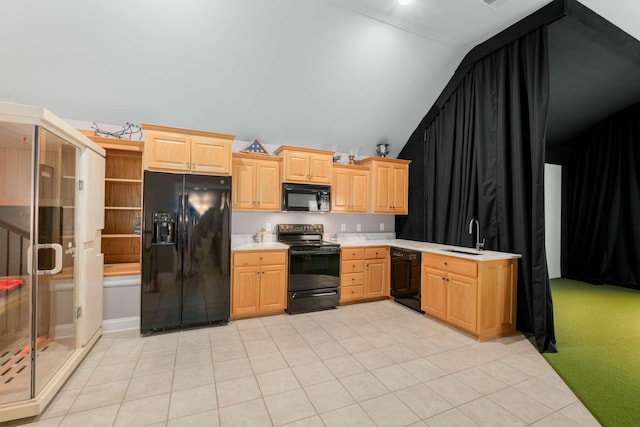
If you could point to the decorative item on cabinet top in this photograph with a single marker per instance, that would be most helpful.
(255, 147)
(172, 149)
(383, 149)
(128, 131)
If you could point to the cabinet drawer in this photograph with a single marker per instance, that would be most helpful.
(451, 264)
(348, 293)
(259, 258)
(352, 279)
(380, 252)
(352, 253)
(352, 266)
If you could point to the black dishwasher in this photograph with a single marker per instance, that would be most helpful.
(405, 277)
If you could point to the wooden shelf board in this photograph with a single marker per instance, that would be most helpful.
(123, 208)
(113, 143)
(124, 180)
(119, 236)
(124, 269)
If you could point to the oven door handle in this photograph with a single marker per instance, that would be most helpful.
(312, 294)
(299, 252)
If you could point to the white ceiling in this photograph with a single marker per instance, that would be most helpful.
(319, 73)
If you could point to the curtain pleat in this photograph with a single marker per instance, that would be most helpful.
(604, 202)
(485, 159)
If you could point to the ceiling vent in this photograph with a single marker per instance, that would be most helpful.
(494, 3)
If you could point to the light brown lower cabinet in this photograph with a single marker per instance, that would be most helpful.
(478, 297)
(259, 283)
(364, 273)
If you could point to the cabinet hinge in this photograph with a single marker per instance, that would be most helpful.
(77, 312)
(80, 184)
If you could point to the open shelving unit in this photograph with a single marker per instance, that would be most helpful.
(121, 238)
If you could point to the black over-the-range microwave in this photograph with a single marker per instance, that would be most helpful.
(306, 197)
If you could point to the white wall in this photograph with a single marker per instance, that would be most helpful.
(552, 213)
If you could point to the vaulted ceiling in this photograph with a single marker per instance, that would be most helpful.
(319, 73)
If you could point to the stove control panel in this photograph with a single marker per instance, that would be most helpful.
(300, 228)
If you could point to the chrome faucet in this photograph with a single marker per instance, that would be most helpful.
(479, 245)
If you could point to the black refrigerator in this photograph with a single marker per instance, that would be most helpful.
(186, 246)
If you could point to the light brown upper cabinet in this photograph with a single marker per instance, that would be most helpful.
(185, 150)
(256, 182)
(349, 188)
(388, 185)
(306, 165)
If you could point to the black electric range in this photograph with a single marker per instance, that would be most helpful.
(314, 268)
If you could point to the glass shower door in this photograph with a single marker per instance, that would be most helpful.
(54, 296)
(16, 185)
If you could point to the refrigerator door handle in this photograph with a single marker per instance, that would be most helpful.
(187, 219)
(181, 222)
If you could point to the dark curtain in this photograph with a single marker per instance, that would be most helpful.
(484, 158)
(603, 215)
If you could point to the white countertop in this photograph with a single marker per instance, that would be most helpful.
(243, 243)
(435, 248)
(250, 246)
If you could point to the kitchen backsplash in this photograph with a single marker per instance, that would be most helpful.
(251, 222)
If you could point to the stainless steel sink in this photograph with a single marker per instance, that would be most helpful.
(459, 251)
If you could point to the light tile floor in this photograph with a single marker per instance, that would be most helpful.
(372, 364)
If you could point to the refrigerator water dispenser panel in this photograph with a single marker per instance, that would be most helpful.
(164, 228)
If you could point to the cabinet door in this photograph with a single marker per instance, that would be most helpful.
(243, 184)
(434, 293)
(382, 192)
(245, 295)
(210, 155)
(399, 194)
(273, 288)
(359, 187)
(376, 278)
(462, 302)
(268, 185)
(340, 190)
(164, 150)
(320, 168)
(296, 166)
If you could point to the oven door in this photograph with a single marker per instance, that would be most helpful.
(313, 269)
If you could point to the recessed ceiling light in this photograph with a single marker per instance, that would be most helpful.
(403, 2)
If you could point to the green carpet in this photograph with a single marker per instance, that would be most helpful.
(598, 336)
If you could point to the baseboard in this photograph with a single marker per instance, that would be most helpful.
(121, 324)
